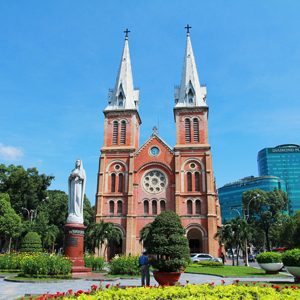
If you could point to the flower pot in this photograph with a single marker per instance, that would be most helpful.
(166, 278)
(271, 268)
(295, 271)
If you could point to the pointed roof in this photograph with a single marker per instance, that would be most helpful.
(124, 96)
(190, 92)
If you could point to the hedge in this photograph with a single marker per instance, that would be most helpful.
(120, 265)
(31, 242)
(291, 258)
(269, 257)
(94, 262)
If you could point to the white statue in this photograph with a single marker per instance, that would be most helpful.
(77, 180)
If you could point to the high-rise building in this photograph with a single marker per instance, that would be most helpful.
(283, 161)
(231, 194)
(135, 183)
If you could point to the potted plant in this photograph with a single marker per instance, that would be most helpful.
(291, 260)
(168, 246)
(271, 262)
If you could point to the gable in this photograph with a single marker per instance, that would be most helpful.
(155, 151)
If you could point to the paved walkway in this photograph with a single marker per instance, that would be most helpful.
(13, 290)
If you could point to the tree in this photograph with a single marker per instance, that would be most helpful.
(166, 239)
(264, 209)
(26, 188)
(10, 222)
(289, 234)
(103, 232)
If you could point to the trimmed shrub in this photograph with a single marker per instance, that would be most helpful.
(209, 263)
(291, 258)
(269, 257)
(94, 262)
(121, 265)
(166, 240)
(39, 265)
(31, 242)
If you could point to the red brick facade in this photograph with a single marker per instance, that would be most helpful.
(134, 184)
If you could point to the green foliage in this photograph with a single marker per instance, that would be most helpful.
(94, 262)
(10, 222)
(167, 241)
(290, 231)
(44, 264)
(269, 257)
(31, 243)
(265, 209)
(99, 233)
(10, 261)
(196, 292)
(208, 263)
(125, 265)
(26, 188)
(291, 258)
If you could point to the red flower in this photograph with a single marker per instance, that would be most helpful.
(107, 286)
(94, 287)
(254, 283)
(223, 281)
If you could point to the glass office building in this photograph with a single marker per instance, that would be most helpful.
(230, 195)
(283, 161)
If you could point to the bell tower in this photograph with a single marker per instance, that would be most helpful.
(195, 189)
(121, 139)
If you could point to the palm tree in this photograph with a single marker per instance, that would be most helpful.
(50, 236)
(144, 233)
(103, 232)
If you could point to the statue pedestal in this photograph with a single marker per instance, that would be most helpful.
(74, 247)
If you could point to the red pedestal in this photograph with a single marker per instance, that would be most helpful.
(74, 247)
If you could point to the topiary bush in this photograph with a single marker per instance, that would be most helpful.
(291, 258)
(96, 263)
(31, 242)
(121, 265)
(42, 264)
(166, 240)
(269, 257)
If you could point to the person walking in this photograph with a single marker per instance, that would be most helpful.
(144, 265)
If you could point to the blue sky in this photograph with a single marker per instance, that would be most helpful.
(59, 58)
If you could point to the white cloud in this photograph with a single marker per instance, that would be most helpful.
(10, 152)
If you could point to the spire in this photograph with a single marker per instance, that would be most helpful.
(190, 92)
(124, 96)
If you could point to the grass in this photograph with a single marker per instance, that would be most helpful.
(229, 271)
(18, 278)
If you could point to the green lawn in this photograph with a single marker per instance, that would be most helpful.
(228, 271)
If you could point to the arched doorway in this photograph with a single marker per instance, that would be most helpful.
(195, 238)
(114, 247)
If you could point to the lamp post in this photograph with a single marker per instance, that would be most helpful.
(30, 213)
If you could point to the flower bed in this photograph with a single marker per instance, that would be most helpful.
(191, 292)
(9, 262)
(128, 265)
(96, 263)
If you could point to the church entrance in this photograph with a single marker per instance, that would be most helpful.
(115, 248)
(194, 236)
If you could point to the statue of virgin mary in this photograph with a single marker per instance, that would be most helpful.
(77, 180)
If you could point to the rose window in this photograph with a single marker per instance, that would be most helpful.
(154, 182)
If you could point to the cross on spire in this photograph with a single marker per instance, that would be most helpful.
(188, 27)
(126, 33)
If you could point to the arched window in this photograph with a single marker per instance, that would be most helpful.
(111, 207)
(146, 207)
(120, 100)
(191, 96)
(189, 207)
(197, 181)
(187, 130)
(162, 205)
(196, 129)
(119, 207)
(154, 207)
(113, 182)
(121, 183)
(189, 181)
(123, 132)
(115, 132)
(198, 207)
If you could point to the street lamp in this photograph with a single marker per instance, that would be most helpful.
(30, 213)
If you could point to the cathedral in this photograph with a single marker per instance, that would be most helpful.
(135, 183)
